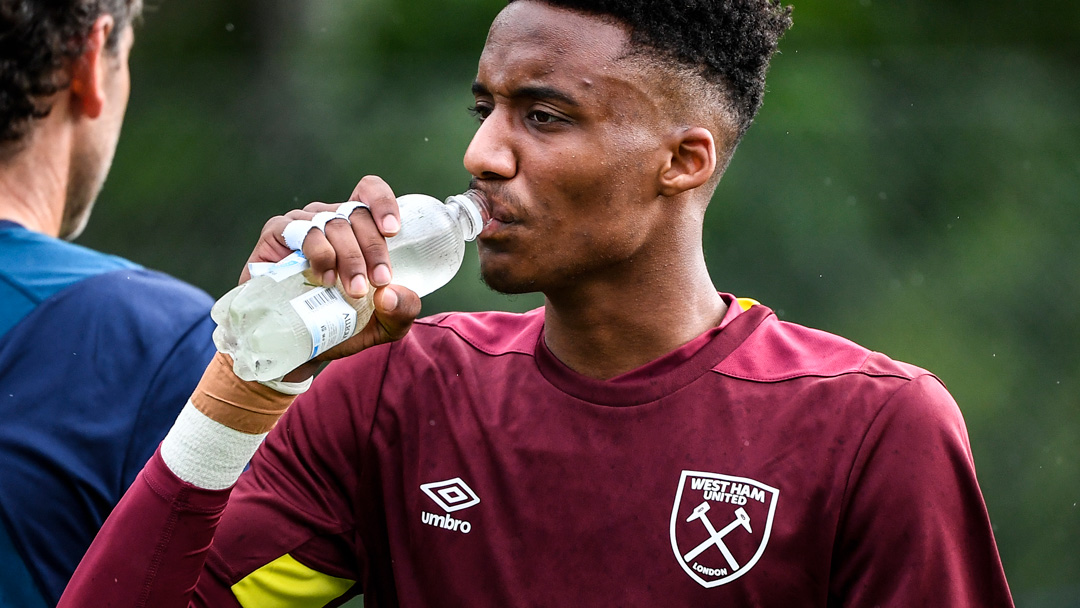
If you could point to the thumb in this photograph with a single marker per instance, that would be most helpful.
(396, 308)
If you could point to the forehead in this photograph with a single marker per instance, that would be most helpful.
(532, 41)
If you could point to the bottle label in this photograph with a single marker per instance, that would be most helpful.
(328, 317)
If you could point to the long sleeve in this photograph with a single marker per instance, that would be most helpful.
(152, 548)
(285, 533)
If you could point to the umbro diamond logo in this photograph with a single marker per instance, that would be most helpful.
(451, 495)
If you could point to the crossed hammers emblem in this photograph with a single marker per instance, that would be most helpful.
(742, 518)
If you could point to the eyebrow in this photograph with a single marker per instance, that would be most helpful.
(532, 92)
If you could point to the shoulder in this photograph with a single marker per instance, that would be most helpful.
(147, 311)
(490, 333)
(444, 341)
(777, 350)
(36, 267)
(143, 295)
(815, 371)
(40, 259)
(839, 379)
(138, 337)
(141, 286)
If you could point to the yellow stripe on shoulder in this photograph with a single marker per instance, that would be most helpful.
(286, 583)
(746, 303)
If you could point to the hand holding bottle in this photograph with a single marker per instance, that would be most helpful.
(356, 252)
(298, 308)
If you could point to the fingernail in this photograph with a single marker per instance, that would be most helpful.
(389, 299)
(390, 225)
(381, 275)
(358, 286)
(329, 278)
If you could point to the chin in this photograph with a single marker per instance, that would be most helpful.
(506, 283)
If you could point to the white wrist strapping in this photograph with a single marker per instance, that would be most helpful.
(208, 454)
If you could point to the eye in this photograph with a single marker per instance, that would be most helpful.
(480, 111)
(541, 117)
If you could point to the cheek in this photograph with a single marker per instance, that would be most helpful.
(590, 180)
(590, 196)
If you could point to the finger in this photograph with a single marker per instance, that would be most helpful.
(310, 236)
(285, 231)
(271, 246)
(322, 257)
(349, 255)
(378, 196)
(373, 246)
(317, 206)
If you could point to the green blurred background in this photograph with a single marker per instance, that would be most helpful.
(911, 183)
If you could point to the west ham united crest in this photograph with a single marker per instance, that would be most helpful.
(720, 525)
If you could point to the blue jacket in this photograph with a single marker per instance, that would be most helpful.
(97, 357)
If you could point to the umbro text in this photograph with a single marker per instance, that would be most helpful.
(445, 522)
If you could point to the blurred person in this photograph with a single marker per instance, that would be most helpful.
(97, 355)
(640, 440)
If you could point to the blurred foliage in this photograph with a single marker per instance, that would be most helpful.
(911, 183)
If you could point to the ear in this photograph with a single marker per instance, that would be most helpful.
(690, 161)
(88, 71)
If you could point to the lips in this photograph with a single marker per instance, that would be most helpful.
(493, 228)
(499, 214)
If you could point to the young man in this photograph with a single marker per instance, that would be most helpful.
(641, 440)
(97, 355)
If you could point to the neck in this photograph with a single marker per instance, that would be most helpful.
(33, 181)
(606, 328)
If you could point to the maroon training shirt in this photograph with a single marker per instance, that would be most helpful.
(762, 464)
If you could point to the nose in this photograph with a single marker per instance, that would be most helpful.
(491, 152)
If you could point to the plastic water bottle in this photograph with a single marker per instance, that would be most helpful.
(281, 318)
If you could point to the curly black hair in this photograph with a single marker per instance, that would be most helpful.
(728, 42)
(37, 39)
